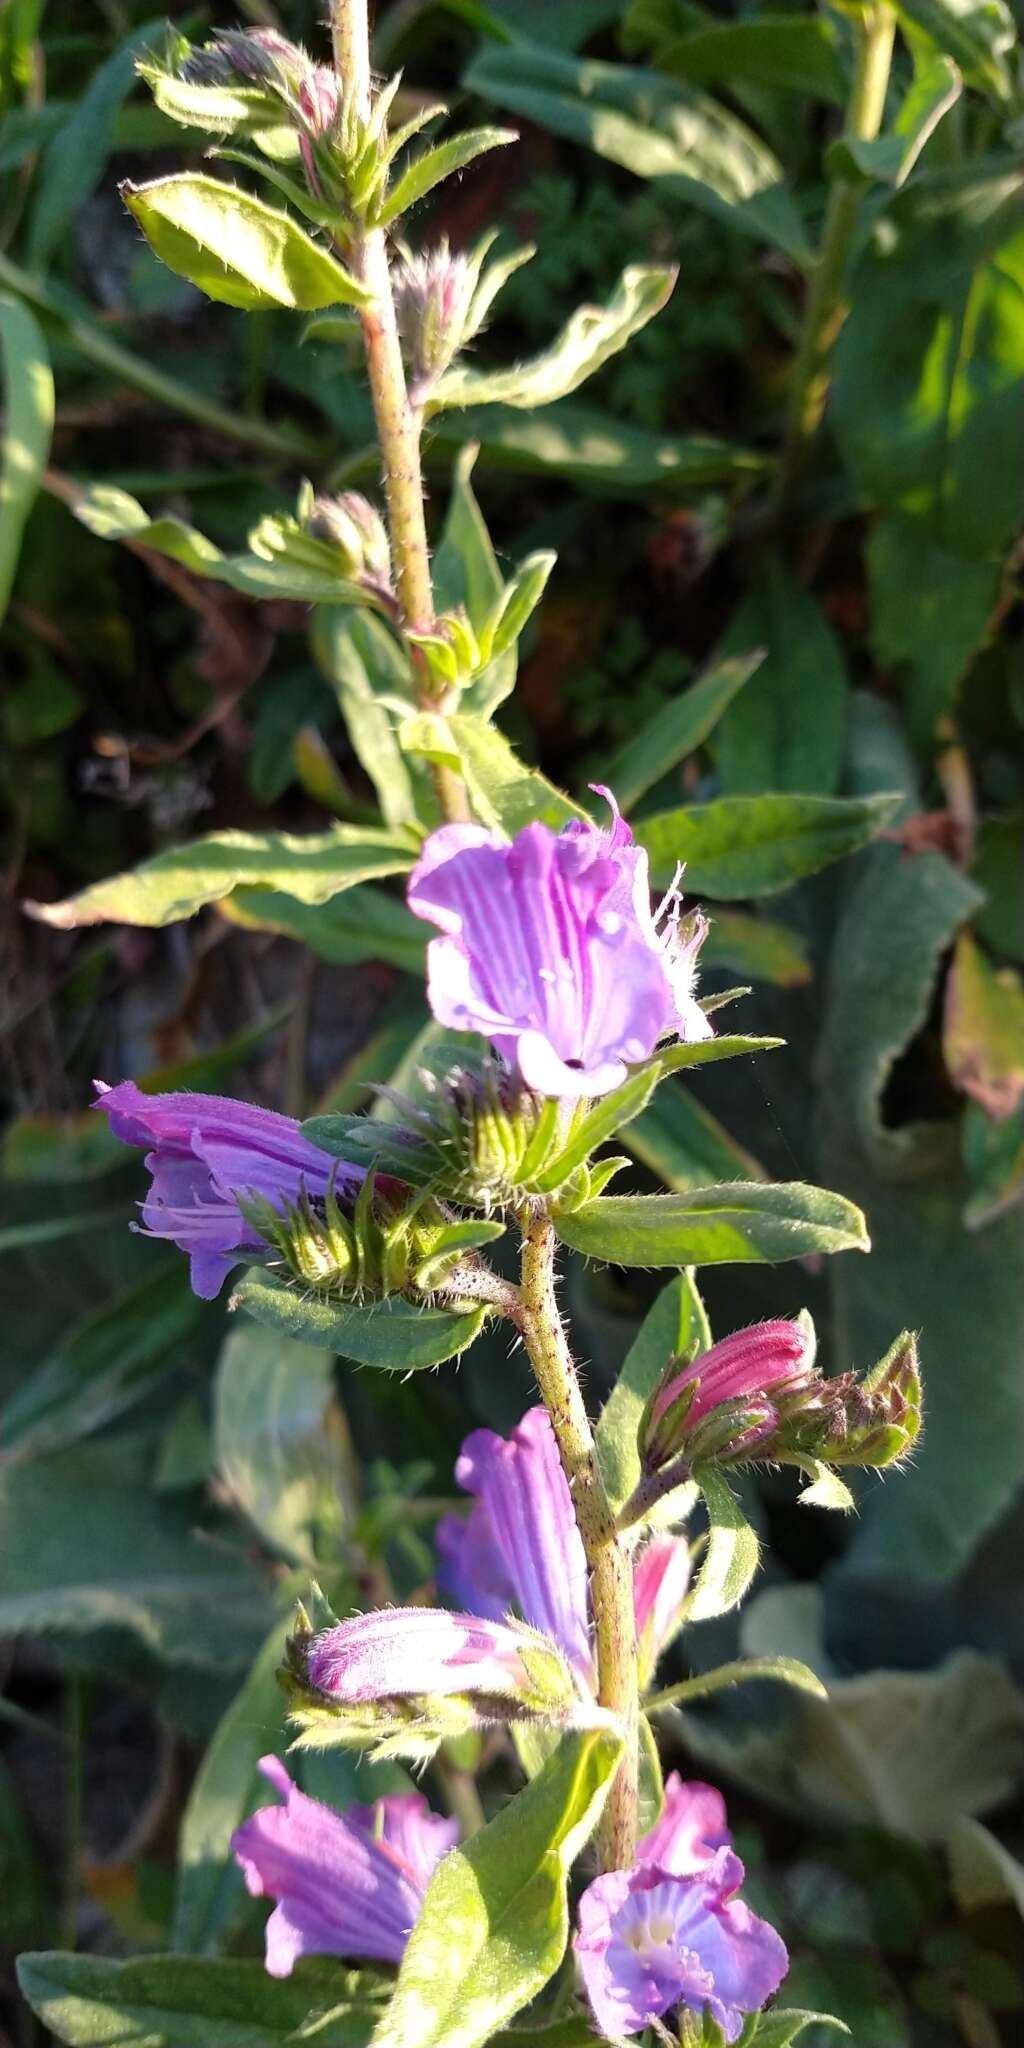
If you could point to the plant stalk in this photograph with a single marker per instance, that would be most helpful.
(825, 309)
(611, 1573)
(399, 422)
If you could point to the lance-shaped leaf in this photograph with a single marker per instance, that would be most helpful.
(236, 248)
(182, 879)
(675, 1325)
(679, 728)
(505, 794)
(282, 561)
(399, 1335)
(588, 339)
(654, 126)
(495, 1921)
(755, 845)
(732, 1553)
(430, 169)
(737, 1223)
(780, 1670)
(193, 2002)
(977, 34)
(28, 426)
(226, 109)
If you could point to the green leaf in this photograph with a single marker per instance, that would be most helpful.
(520, 599)
(777, 2029)
(783, 1670)
(653, 126)
(685, 1145)
(16, 1237)
(495, 1920)
(928, 366)
(589, 338)
(785, 732)
(754, 845)
(276, 1442)
(732, 1553)
(363, 664)
(676, 1323)
(504, 793)
(993, 1157)
(983, 1030)
(998, 865)
(361, 924)
(88, 1546)
(420, 177)
(399, 1335)
(865, 1755)
(75, 157)
(193, 2002)
(106, 1362)
(595, 451)
(600, 1123)
(27, 430)
(791, 52)
(282, 561)
(891, 156)
(926, 1271)
(735, 1223)
(183, 879)
(679, 728)
(210, 1889)
(221, 109)
(935, 638)
(982, 1873)
(466, 573)
(977, 34)
(755, 947)
(236, 248)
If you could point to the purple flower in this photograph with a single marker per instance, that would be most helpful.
(347, 1884)
(407, 1652)
(650, 1942)
(520, 1547)
(206, 1151)
(549, 948)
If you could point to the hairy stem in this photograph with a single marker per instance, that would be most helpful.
(611, 1574)
(399, 422)
(825, 309)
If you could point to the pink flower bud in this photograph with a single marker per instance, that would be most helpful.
(736, 1384)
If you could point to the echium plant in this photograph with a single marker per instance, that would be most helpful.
(575, 995)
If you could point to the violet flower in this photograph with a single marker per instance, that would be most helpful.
(550, 949)
(205, 1152)
(650, 1942)
(690, 1831)
(520, 1548)
(409, 1652)
(347, 1884)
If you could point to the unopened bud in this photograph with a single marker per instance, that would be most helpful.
(874, 1421)
(354, 526)
(433, 295)
(247, 56)
(726, 1401)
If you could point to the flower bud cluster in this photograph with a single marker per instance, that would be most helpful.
(757, 1397)
(442, 299)
(388, 1240)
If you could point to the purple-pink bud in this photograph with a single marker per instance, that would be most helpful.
(412, 1652)
(742, 1372)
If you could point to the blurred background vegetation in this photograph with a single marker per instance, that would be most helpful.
(156, 1488)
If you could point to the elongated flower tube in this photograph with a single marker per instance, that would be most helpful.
(347, 1884)
(520, 1548)
(401, 1656)
(206, 1151)
(550, 949)
(651, 1943)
